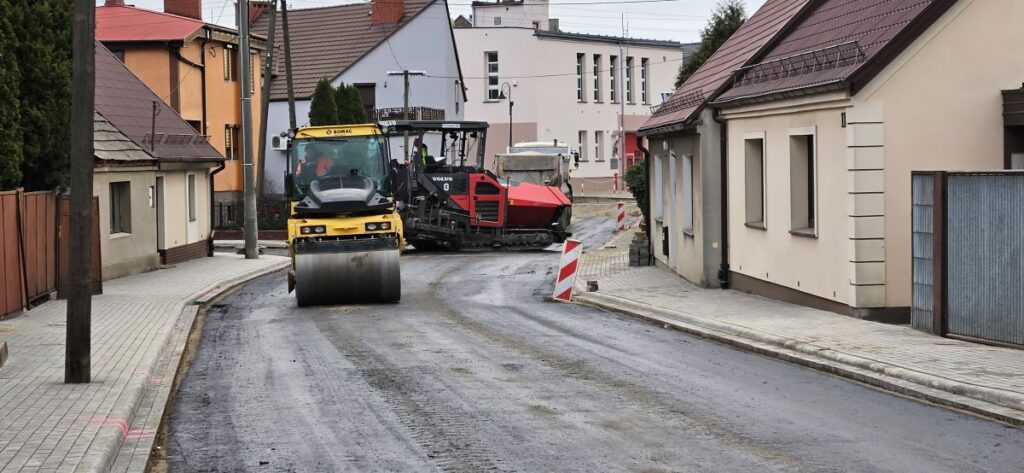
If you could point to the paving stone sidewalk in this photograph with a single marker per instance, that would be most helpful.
(982, 379)
(139, 325)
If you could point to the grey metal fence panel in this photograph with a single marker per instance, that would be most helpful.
(923, 271)
(985, 259)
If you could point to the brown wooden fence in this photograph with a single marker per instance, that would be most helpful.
(31, 243)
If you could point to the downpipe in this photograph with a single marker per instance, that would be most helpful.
(723, 269)
(647, 178)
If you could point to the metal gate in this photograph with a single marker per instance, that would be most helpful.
(969, 255)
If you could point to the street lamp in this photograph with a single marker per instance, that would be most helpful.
(502, 96)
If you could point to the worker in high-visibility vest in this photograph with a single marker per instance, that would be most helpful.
(420, 151)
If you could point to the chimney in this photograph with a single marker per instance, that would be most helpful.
(257, 8)
(553, 24)
(188, 8)
(386, 12)
(113, 3)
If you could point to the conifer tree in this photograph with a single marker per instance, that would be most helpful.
(10, 118)
(323, 110)
(355, 103)
(44, 59)
(341, 99)
(728, 17)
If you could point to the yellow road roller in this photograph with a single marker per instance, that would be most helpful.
(344, 234)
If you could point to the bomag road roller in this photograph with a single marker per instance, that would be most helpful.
(344, 235)
(450, 200)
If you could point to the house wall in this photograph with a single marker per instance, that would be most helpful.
(223, 97)
(685, 255)
(814, 265)
(549, 104)
(179, 230)
(424, 43)
(940, 107)
(127, 253)
(520, 15)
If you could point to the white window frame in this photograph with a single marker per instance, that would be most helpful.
(493, 90)
(763, 223)
(688, 193)
(659, 188)
(629, 80)
(584, 143)
(613, 71)
(581, 77)
(813, 224)
(190, 194)
(599, 145)
(120, 208)
(597, 78)
(645, 93)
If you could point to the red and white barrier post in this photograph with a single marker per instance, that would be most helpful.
(566, 282)
(620, 216)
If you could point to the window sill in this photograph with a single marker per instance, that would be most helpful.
(804, 232)
(492, 101)
(191, 220)
(119, 235)
(756, 225)
(659, 220)
(688, 232)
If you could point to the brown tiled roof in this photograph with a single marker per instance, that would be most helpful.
(125, 101)
(714, 75)
(325, 41)
(835, 44)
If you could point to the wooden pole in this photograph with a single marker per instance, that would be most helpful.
(83, 106)
(249, 182)
(288, 68)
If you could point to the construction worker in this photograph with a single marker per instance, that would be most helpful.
(420, 151)
(316, 162)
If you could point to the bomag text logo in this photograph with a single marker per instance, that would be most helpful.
(338, 131)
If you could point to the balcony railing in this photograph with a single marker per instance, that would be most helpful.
(396, 113)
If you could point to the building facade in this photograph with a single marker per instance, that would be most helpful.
(194, 68)
(575, 88)
(820, 159)
(366, 41)
(688, 232)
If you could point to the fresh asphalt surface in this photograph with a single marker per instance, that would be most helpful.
(474, 371)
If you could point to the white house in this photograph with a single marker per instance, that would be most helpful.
(564, 86)
(359, 44)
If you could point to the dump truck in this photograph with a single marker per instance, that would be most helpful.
(450, 201)
(344, 233)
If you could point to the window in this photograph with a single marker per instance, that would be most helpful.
(493, 84)
(629, 80)
(230, 65)
(119, 54)
(801, 179)
(645, 93)
(613, 70)
(196, 125)
(497, 21)
(597, 78)
(688, 194)
(583, 145)
(368, 94)
(659, 186)
(120, 207)
(1017, 161)
(191, 197)
(754, 186)
(252, 74)
(581, 77)
(232, 148)
(599, 146)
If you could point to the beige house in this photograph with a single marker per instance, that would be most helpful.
(154, 189)
(825, 129)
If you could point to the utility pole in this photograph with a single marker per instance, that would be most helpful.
(249, 188)
(292, 122)
(268, 64)
(622, 102)
(77, 361)
(405, 107)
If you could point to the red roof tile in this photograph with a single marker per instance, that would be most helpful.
(115, 24)
(702, 86)
(832, 44)
(326, 41)
(127, 103)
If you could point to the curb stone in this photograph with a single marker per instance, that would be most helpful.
(993, 403)
(107, 444)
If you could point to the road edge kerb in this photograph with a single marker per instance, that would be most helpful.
(100, 455)
(985, 402)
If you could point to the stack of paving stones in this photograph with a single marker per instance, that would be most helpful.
(639, 250)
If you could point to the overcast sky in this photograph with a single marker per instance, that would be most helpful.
(679, 20)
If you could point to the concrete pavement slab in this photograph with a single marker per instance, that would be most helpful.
(977, 378)
(45, 424)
